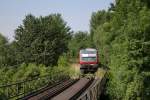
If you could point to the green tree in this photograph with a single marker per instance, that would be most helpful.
(42, 40)
(4, 51)
(97, 19)
(79, 41)
(124, 41)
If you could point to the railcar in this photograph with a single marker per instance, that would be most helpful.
(88, 59)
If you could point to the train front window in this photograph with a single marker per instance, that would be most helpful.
(88, 52)
(88, 59)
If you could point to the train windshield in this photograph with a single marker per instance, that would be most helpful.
(88, 56)
(88, 59)
(88, 52)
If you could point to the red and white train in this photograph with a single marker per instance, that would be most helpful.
(88, 59)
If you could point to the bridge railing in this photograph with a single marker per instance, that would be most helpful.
(95, 90)
(22, 88)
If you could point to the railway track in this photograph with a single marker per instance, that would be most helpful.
(67, 90)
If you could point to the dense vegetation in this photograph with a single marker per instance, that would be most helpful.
(38, 49)
(42, 40)
(78, 41)
(123, 35)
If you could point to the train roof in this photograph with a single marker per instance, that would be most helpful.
(89, 49)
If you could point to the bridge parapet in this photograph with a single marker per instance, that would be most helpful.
(95, 90)
(22, 88)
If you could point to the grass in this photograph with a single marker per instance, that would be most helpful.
(100, 73)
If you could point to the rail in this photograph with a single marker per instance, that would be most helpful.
(86, 88)
(74, 91)
(51, 91)
(25, 87)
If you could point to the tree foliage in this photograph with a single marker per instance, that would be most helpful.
(42, 40)
(5, 52)
(79, 41)
(98, 18)
(124, 40)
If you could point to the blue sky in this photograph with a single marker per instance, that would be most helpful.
(76, 13)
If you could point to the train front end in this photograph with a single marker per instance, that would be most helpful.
(88, 59)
